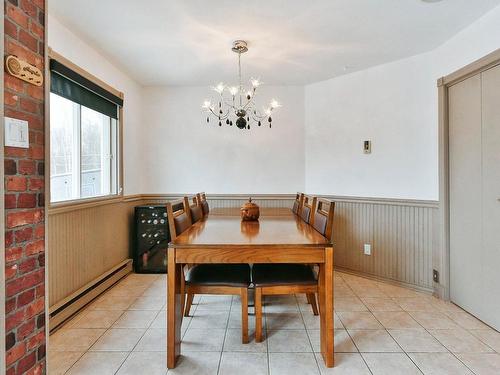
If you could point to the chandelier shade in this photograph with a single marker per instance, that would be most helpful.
(237, 103)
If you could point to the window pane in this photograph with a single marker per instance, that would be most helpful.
(63, 126)
(95, 153)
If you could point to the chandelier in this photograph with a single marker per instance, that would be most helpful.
(237, 102)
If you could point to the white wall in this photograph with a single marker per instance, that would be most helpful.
(393, 105)
(184, 154)
(71, 46)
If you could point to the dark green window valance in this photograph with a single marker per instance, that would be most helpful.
(73, 86)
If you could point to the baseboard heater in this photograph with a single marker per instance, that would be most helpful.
(69, 306)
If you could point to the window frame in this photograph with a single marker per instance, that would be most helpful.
(104, 199)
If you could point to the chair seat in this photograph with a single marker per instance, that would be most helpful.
(237, 275)
(282, 274)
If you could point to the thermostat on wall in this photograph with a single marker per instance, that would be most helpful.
(16, 133)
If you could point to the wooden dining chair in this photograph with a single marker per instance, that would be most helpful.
(219, 279)
(195, 208)
(279, 279)
(297, 203)
(179, 220)
(204, 203)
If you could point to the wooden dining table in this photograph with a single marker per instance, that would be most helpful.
(278, 237)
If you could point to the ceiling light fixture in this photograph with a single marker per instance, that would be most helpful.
(239, 104)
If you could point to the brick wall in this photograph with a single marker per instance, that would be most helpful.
(24, 196)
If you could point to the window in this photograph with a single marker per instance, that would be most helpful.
(83, 143)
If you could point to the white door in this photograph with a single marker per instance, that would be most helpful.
(465, 193)
(474, 138)
(491, 197)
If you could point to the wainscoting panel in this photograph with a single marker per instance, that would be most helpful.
(84, 243)
(402, 238)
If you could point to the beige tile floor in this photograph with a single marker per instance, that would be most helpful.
(379, 329)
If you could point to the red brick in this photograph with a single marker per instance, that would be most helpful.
(35, 92)
(37, 30)
(17, 15)
(15, 152)
(28, 40)
(36, 340)
(27, 167)
(9, 238)
(29, 8)
(35, 247)
(15, 183)
(26, 329)
(40, 138)
(36, 183)
(10, 98)
(30, 105)
(41, 260)
(15, 353)
(10, 305)
(10, 28)
(23, 283)
(26, 200)
(10, 271)
(37, 152)
(26, 363)
(40, 292)
(11, 371)
(14, 320)
(39, 368)
(27, 266)
(26, 298)
(24, 234)
(35, 308)
(14, 84)
(16, 219)
(10, 167)
(12, 254)
(40, 231)
(10, 201)
(39, 3)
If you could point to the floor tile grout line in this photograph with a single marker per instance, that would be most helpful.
(138, 341)
(225, 334)
(307, 334)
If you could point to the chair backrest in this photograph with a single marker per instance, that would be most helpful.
(204, 203)
(179, 217)
(297, 203)
(308, 207)
(323, 217)
(195, 208)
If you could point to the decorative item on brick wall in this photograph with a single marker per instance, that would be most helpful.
(23, 70)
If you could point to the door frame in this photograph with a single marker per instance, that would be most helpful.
(441, 259)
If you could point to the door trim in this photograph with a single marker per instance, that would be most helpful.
(441, 260)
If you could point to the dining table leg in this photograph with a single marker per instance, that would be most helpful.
(326, 308)
(174, 309)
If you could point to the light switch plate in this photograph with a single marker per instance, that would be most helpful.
(367, 147)
(16, 133)
(368, 249)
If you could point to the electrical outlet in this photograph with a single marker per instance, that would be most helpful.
(368, 249)
(435, 276)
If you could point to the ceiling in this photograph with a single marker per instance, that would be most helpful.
(291, 42)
